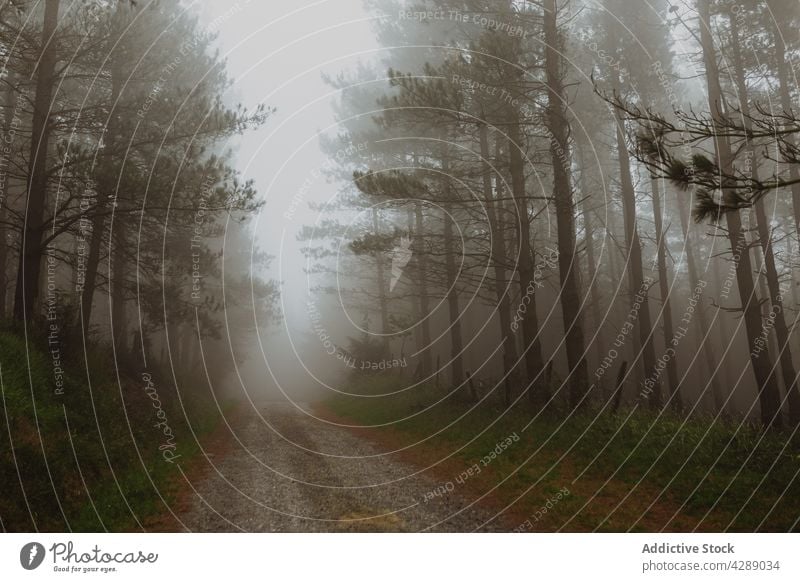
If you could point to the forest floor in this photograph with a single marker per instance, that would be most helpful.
(637, 470)
(279, 469)
(546, 492)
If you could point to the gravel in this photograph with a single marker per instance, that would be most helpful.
(292, 473)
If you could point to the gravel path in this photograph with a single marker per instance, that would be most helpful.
(278, 480)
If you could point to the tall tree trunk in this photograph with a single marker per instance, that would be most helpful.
(498, 257)
(765, 238)
(30, 257)
(617, 273)
(568, 263)
(456, 344)
(614, 270)
(422, 277)
(3, 262)
(768, 393)
(727, 336)
(416, 313)
(92, 261)
(763, 296)
(638, 286)
(526, 266)
(701, 321)
(383, 285)
(666, 307)
(591, 261)
(119, 320)
(106, 190)
(9, 110)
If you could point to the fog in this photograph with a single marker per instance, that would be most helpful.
(394, 265)
(328, 294)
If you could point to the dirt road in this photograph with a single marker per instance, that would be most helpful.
(289, 472)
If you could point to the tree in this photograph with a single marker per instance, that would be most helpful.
(558, 125)
(27, 289)
(759, 359)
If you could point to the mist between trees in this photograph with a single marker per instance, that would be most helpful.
(117, 197)
(603, 209)
(117, 188)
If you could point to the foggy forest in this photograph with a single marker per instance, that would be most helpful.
(389, 265)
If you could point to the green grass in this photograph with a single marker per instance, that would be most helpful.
(742, 478)
(67, 450)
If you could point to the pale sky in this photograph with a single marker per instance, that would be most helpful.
(277, 51)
